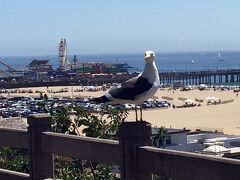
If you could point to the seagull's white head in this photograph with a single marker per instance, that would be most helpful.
(149, 56)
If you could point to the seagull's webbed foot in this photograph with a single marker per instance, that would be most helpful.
(141, 112)
(136, 113)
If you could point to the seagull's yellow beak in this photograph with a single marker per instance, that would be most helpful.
(149, 54)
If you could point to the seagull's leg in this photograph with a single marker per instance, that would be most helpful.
(141, 112)
(136, 113)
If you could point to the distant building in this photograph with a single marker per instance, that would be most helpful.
(99, 67)
(74, 62)
(39, 66)
(204, 142)
(37, 70)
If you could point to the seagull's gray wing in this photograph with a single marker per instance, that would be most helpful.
(130, 89)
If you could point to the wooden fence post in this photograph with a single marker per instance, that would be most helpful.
(131, 135)
(41, 163)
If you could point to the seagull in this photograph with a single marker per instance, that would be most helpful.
(135, 90)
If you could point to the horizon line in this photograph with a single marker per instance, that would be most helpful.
(133, 53)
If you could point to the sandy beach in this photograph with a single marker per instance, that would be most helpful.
(222, 117)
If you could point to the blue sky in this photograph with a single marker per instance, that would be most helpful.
(34, 27)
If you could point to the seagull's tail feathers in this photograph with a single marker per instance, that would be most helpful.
(102, 99)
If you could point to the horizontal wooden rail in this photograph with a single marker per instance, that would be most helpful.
(93, 149)
(13, 138)
(13, 175)
(185, 166)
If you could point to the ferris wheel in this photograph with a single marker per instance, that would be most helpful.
(63, 62)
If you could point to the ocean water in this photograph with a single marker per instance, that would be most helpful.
(166, 62)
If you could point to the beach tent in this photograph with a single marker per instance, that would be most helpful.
(190, 101)
(212, 98)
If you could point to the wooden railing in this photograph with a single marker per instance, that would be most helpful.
(137, 160)
(92, 149)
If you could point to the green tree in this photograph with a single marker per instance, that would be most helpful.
(159, 140)
(104, 125)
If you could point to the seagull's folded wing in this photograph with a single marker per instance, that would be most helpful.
(131, 89)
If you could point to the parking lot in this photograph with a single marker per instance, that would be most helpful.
(24, 106)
